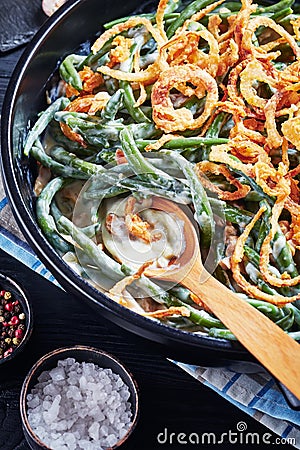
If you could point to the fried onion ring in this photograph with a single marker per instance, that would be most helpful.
(258, 52)
(184, 49)
(266, 250)
(253, 72)
(216, 169)
(237, 258)
(148, 74)
(164, 115)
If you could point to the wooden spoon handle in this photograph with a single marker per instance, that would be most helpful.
(274, 348)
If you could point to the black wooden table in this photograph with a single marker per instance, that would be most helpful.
(170, 398)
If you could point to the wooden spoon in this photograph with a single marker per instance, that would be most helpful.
(270, 345)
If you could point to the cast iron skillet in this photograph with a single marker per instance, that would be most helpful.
(76, 22)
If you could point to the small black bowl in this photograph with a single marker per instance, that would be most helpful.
(8, 284)
(81, 354)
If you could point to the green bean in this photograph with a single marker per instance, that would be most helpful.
(144, 169)
(254, 258)
(42, 122)
(287, 321)
(270, 310)
(90, 230)
(143, 189)
(198, 317)
(296, 313)
(213, 133)
(165, 163)
(282, 254)
(276, 7)
(93, 131)
(278, 16)
(129, 100)
(94, 58)
(108, 25)
(45, 219)
(182, 294)
(232, 6)
(265, 287)
(113, 105)
(295, 335)
(256, 277)
(68, 70)
(264, 228)
(191, 9)
(107, 265)
(236, 215)
(255, 187)
(178, 143)
(194, 103)
(169, 17)
(38, 152)
(203, 211)
(70, 160)
(216, 126)
(173, 5)
(74, 147)
(221, 334)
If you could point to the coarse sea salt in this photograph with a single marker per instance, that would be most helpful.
(78, 406)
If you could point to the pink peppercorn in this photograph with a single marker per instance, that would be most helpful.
(19, 333)
(9, 307)
(8, 352)
(14, 320)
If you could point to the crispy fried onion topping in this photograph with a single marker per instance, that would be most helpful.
(184, 49)
(258, 52)
(217, 169)
(90, 82)
(152, 70)
(236, 260)
(165, 116)
(291, 131)
(254, 72)
(89, 104)
(269, 277)
(165, 313)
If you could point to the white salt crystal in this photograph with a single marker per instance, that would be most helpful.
(74, 393)
(46, 404)
(119, 383)
(57, 374)
(43, 377)
(79, 405)
(84, 444)
(62, 425)
(97, 414)
(94, 431)
(82, 382)
(50, 389)
(111, 440)
(99, 396)
(35, 401)
(104, 430)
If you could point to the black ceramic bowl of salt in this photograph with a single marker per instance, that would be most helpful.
(81, 354)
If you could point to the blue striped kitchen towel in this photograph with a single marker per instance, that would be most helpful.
(252, 390)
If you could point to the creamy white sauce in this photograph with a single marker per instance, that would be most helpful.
(278, 246)
(166, 229)
(252, 272)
